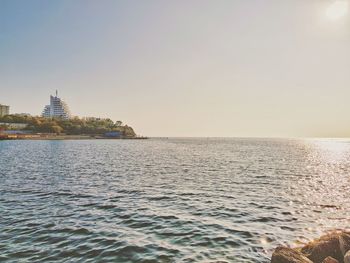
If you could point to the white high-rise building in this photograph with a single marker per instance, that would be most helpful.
(57, 108)
(4, 110)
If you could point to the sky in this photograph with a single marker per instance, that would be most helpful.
(206, 68)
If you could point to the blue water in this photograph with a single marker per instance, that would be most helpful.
(168, 200)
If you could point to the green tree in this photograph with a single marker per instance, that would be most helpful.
(56, 129)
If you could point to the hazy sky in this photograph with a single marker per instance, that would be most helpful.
(183, 67)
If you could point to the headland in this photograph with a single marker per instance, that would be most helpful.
(26, 127)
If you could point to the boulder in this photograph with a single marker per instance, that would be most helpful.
(288, 255)
(347, 257)
(326, 246)
(330, 260)
(344, 242)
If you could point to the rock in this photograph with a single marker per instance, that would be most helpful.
(344, 242)
(326, 246)
(288, 255)
(330, 260)
(347, 257)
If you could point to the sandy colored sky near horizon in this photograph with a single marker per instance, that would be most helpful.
(183, 68)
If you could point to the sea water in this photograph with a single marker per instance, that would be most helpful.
(168, 200)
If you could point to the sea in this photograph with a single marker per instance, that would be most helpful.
(169, 199)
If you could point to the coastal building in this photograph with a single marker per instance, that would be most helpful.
(4, 110)
(57, 108)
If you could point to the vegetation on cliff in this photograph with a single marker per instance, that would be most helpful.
(74, 126)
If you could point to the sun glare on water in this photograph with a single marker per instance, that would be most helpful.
(338, 9)
(332, 150)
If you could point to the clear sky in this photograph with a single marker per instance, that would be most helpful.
(183, 67)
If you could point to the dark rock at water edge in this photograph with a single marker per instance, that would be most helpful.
(330, 248)
(347, 257)
(330, 260)
(322, 248)
(288, 255)
(344, 242)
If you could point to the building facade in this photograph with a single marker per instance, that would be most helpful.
(4, 110)
(57, 108)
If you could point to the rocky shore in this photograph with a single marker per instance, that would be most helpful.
(330, 248)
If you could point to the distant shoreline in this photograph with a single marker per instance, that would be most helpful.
(64, 137)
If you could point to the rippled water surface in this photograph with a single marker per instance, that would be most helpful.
(168, 200)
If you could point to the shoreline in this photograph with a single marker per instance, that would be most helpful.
(40, 137)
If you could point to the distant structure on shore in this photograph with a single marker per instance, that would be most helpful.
(4, 110)
(57, 108)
